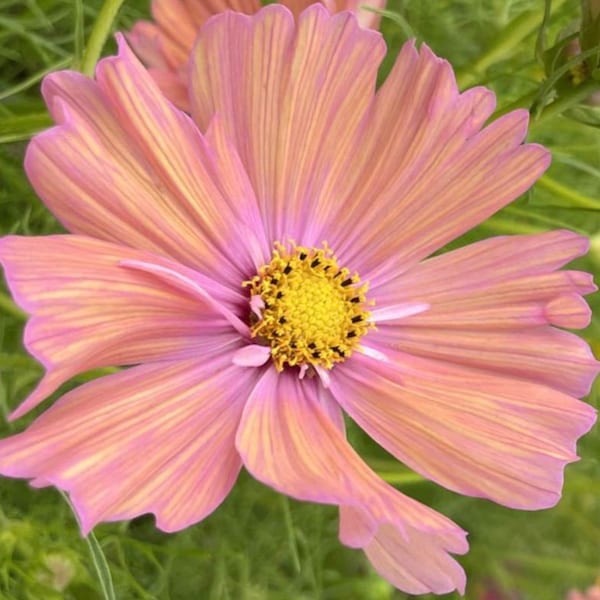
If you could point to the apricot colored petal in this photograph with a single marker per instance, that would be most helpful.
(426, 166)
(416, 565)
(154, 438)
(483, 435)
(366, 17)
(188, 284)
(178, 27)
(202, 11)
(491, 307)
(144, 39)
(88, 311)
(292, 99)
(124, 165)
(173, 86)
(252, 356)
(288, 440)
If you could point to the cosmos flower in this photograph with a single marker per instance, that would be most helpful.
(263, 264)
(165, 44)
(592, 593)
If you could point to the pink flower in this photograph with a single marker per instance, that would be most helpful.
(592, 593)
(263, 264)
(165, 44)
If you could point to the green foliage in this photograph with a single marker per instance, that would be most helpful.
(259, 545)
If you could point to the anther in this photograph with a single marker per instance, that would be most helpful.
(307, 309)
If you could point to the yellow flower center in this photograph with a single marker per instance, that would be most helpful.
(312, 311)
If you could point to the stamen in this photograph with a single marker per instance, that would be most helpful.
(314, 312)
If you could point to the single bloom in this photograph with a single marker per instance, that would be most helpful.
(266, 263)
(165, 44)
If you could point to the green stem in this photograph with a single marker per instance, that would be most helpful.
(525, 101)
(502, 47)
(502, 225)
(100, 563)
(100, 32)
(9, 362)
(575, 96)
(574, 198)
(30, 81)
(289, 525)
(397, 478)
(9, 307)
(551, 222)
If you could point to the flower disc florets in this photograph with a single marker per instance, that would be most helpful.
(312, 312)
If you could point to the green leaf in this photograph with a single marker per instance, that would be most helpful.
(99, 560)
(101, 566)
(14, 128)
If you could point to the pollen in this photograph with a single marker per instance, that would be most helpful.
(312, 312)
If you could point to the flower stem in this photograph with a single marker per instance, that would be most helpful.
(525, 101)
(100, 563)
(502, 47)
(575, 96)
(9, 307)
(574, 198)
(100, 32)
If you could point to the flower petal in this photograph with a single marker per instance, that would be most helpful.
(173, 86)
(288, 440)
(425, 166)
(89, 312)
(416, 566)
(144, 38)
(252, 356)
(366, 17)
(167, 44)
(482, 435)
(292, 99)
(491, 307)
(125, 166)
(154, 438)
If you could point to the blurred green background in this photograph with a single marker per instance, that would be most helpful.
(260, 545)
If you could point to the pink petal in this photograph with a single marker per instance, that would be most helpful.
(252, 356)
(478, 434)
(288, 440)
(417, 565)
(292, 100)
(188, 284)
(178, 22)
(491, 305)
(144, 39)
(397, 312)
(154, 438)
(425, 166)
(89, 312)
(167, 44)
(173, 86)
(365, 17)
(125, 166)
